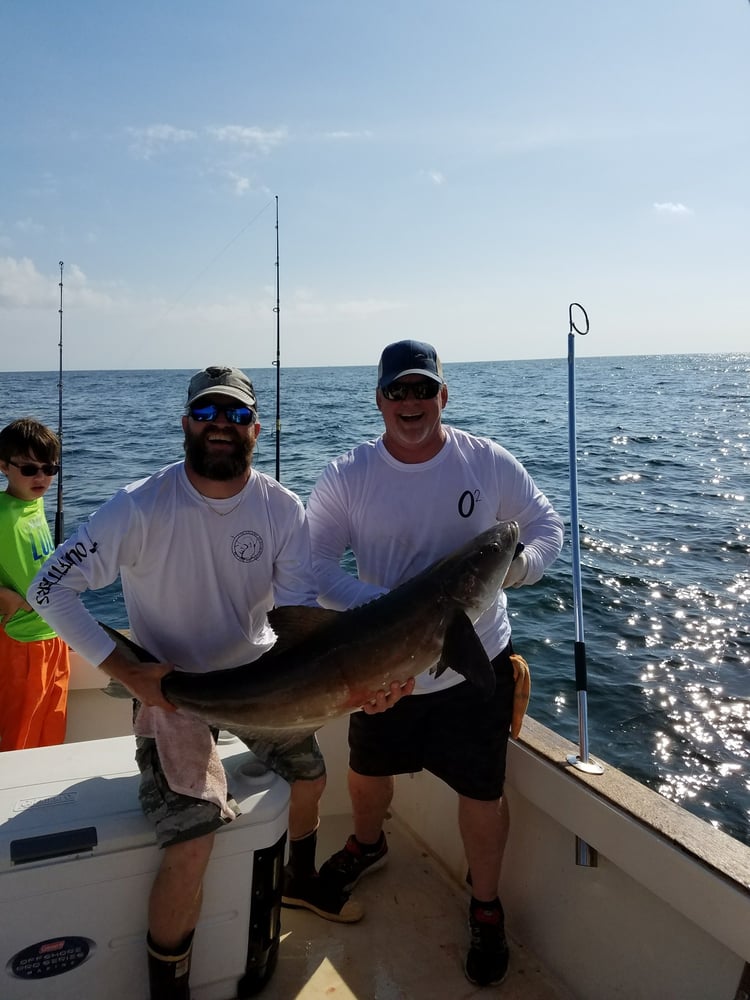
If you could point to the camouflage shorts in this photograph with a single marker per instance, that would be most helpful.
(301, 762)
(178, 817)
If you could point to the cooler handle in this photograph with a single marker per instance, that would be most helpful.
(53, 845)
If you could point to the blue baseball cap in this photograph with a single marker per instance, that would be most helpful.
(408, 357)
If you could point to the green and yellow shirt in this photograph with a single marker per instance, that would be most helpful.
(25, 543)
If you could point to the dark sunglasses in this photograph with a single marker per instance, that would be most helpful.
(235, 414)
(397, 392)
(29, 469)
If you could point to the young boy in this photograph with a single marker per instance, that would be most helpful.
(34, 662)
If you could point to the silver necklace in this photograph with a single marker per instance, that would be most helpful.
(219, 513)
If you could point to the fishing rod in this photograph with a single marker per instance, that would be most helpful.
(584, 855)
(277, 362)
(59, 517)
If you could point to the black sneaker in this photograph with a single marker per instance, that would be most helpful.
(346, 867)
(320, 896)
(487, 960)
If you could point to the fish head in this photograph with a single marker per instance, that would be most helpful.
(473, 575)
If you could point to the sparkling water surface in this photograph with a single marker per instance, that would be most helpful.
(663, 449)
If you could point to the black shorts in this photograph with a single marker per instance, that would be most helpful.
(454, 733)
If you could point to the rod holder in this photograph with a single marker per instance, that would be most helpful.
(589, 766)
(586, 855)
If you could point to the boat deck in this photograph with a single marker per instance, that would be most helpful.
(410, 945)
(663, 879)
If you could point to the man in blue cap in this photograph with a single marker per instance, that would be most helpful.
(401, 502)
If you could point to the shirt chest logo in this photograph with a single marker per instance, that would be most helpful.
(247, 546)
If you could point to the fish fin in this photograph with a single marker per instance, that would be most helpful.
(127, 647)
(293, 623)
(464, 653)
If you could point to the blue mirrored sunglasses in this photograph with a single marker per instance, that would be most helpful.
(210, 411)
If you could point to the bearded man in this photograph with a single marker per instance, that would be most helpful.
(203, 548)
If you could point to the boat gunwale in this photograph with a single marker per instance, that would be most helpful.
(725, 856)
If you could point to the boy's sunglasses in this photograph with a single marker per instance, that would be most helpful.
(235, 414)
(398, 391)
(29, 469)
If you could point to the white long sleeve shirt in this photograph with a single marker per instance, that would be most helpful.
(198, 575)
(398, 518)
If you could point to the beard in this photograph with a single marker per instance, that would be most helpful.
(221, 466)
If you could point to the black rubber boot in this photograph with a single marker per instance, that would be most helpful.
(302, 855)
(169, 969)
(303, 888)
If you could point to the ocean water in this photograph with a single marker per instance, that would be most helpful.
(663, 479)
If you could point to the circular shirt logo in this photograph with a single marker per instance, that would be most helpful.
(247, 546)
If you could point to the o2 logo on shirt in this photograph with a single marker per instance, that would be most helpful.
(247, 546)
(467, 502)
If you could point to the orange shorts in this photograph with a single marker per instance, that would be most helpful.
(34, 680)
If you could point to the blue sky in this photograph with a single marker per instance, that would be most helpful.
(453, 170)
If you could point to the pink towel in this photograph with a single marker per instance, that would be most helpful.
(188, 755)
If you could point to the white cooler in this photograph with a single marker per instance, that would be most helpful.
(77, 859)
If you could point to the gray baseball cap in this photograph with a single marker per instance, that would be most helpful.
(223, 381)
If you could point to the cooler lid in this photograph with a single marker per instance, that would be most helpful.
(83, 797)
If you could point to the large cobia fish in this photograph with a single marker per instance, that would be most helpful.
(329, 663)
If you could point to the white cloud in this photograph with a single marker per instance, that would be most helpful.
(306, 304)
(343, 134)
(362, 308)
(241, 185)
(45, 186)
(435, 177)
(250, 137)
(156, 138)
(23, 287)
(29, 227)
(671, 208)
(80, 292)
